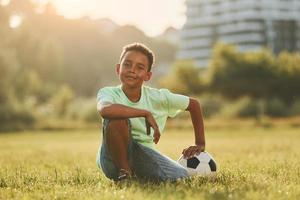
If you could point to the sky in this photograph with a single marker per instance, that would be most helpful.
(151, 16)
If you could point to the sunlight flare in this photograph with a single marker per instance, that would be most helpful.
(4, 2)
(15, 21)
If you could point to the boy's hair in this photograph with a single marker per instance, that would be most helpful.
(139, 47)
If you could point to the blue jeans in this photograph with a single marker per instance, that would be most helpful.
(145, 162)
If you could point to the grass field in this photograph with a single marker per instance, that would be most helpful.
(254, 163)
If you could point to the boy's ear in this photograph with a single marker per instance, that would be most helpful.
(117, 66)
(148, 77)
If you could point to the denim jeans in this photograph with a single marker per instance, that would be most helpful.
(145, 162)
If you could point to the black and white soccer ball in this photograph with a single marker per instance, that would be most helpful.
(202, 164)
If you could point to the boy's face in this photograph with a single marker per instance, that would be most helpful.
(133, 69)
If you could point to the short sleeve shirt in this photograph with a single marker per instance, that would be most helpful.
(160, 102)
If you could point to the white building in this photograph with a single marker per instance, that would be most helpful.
(250, 24)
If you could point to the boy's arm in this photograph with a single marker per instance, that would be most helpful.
(119, 111)
(197, 119)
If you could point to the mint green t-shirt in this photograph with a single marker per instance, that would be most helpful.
(160, 102)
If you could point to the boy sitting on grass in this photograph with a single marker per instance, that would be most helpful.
(134, 117)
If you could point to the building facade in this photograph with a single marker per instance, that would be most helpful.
(250, 24)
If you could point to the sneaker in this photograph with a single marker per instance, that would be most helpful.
(123, 174)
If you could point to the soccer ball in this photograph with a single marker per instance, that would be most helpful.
(202, 164)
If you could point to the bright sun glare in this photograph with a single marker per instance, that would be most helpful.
(15, 21)
(153, 16)
(4, 2)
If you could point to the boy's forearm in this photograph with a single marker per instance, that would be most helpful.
(118, 111)
(197, 119)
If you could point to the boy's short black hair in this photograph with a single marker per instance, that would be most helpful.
(140, 48)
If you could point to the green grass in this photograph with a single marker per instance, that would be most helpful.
(254, 163)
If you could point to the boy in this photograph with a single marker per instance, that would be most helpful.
(134, 116)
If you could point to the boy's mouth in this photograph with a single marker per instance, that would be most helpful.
(130, 77)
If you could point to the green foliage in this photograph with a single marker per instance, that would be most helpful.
(276, 108)
(288, 82)
(243, 107)
(184, 78)
(235, 74)
(14, 116)
(259, 75)
(3, 81)
(87, 111)
(211, 104)
(256, 74)
(50, 59)
(27, 84)
(295, 108)
(91, 114)
(249, 108)
(89, 52)
(62, 99)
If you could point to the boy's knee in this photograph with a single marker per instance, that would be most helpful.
(118, 124)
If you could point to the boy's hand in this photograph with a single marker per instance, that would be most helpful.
(192, 151)
(150, 122)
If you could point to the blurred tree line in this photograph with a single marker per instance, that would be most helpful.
(48, 61)
(243, 84)
(52, 67)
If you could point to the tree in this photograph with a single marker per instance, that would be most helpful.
(235, 74)
(288, 81)
(184, 78)
(62, 99)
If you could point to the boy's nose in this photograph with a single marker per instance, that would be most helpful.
(133, 69)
